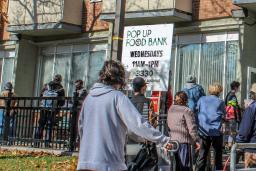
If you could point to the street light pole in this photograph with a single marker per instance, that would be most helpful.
(118, 32)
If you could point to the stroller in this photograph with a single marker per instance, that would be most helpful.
(150, 157)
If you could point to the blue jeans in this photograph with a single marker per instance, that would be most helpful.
(12, 131)
(1, 121)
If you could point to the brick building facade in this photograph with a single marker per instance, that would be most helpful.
(212, 9)
(4, 35)
(91, 20)
(202, 10)
(70, 37)
(209, 42)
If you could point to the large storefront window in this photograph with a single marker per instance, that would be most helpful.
(210, 57)
(187, 63)
(7, 66)
(73, 62)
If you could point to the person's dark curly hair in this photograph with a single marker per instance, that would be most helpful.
(234, 84)
(181, 98)
(57, 78)
(112, 73)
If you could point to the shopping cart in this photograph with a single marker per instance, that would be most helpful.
(167, 158)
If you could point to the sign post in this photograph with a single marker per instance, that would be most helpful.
(147, 54)
(117, 38)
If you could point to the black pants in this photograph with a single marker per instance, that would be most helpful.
(46, 119)
(183, 158)
(206, 142)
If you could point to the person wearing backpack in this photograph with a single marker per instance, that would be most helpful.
(50, 108)
(57, 80)
(247, 129)
(194, 92)
(233, 112)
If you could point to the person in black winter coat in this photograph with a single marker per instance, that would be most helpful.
(79, 89)
(247, 130)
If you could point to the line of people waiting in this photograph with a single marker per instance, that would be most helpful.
(196, 119)
(108, 116)
(50, 110)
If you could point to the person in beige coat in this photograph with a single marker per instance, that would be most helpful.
(182, 125)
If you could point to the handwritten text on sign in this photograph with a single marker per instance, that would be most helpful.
(147, 54)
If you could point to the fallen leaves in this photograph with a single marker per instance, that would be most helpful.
(32, 160)
(65, 165)
(23, 153)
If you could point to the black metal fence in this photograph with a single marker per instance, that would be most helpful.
(44, 122)
(40, 122)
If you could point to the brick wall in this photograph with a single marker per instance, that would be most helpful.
(4, 35)
(91, 21)
(212, 9)
(202, 10)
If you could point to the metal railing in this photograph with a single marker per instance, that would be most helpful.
(234, 155)
(28, 121)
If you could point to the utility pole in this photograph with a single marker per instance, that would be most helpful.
(118, 32)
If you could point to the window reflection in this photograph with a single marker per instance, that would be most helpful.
(207, 61)
(73, 62)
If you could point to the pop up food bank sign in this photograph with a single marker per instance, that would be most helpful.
(147, 54)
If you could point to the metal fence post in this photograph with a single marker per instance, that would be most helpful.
(233, 158)
(73, 126)
(7, 116)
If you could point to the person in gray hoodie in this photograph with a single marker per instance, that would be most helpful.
(107, 116)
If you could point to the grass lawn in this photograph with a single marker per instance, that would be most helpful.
(30, 161)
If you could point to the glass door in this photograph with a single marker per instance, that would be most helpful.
(251, 78)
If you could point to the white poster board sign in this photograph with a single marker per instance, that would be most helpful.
(147, 54)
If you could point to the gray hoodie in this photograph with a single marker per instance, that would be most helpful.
(106, 117)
